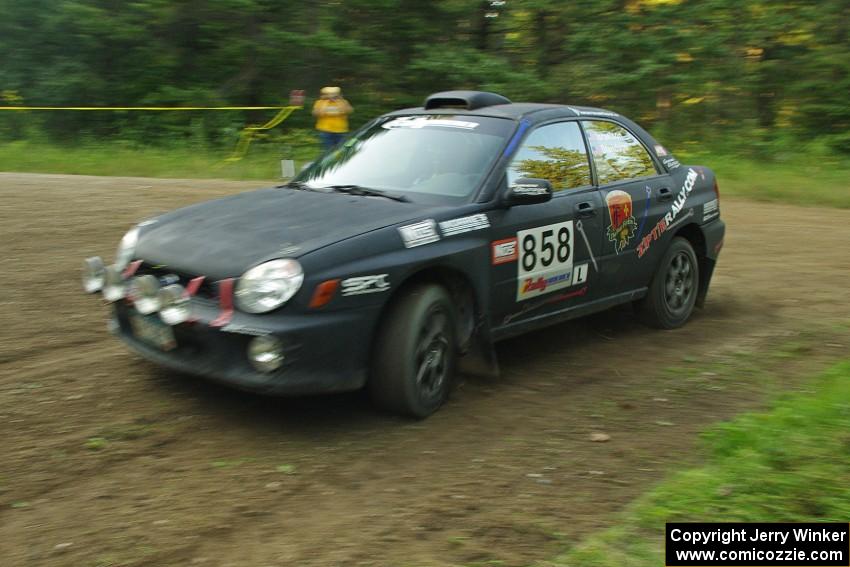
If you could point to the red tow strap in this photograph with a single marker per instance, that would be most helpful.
(225, 303)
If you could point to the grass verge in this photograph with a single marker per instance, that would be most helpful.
(823, 181)
(804, 181)
(789, 464)
(261, 161)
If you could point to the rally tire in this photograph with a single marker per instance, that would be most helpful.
(415, 355)
(674, 288)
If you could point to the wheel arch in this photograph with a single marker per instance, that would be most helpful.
(460, 287)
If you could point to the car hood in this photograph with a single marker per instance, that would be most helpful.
(223, 238)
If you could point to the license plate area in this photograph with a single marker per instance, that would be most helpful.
(151, 330)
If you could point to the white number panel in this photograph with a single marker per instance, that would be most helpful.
(545, 260)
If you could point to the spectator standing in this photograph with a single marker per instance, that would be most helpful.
(331, 112)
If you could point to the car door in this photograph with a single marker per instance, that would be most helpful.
(635, 193)
(543, 255)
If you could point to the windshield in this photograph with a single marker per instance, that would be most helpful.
(437, 156)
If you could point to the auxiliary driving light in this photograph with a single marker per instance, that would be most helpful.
(145, 293)
(93, 274)
(265, 353)
(113, 284)
(174, 304)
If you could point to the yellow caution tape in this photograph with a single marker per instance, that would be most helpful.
(245, 137)
(156, 108)
(249, 132)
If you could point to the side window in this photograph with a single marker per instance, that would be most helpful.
(617, 154)
(555, 152)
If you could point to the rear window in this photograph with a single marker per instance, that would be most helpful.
(617, 154)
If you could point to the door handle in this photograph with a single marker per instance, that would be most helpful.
(585, 210)
(665, 194)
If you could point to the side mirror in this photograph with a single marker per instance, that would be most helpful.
(528, 191)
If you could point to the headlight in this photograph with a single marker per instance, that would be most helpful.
(94, 274)
(268, 286)
(144, 291)
(113, 284)
(174, 305)
(127, 248)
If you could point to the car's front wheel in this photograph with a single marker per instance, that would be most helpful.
(673, 291)
(415, 353)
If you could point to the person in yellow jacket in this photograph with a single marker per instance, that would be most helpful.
(331, 112)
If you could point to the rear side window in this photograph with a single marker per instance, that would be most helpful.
(555, 152)
(617, 154)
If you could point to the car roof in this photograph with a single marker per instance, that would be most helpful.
(532, 111)
(478, 103)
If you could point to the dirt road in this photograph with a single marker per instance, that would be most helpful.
(108, 460)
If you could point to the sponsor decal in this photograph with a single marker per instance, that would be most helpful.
(528, 189)
(681, 219)
(423, 121)
(623, 225)
(504, 251)
(464, 224)
(528, 307)
(545, 259)
(671, 163)
(365, 284)
(288, 248)
(710, 210)
(666, 221)
(420, 233)
(592, 112)
(660, 151)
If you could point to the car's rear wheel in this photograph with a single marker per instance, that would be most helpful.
(673, 291)
(415, 353)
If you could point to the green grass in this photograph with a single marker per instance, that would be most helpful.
(814, 179)
(261, 161)
(789, 464)
(806, 180)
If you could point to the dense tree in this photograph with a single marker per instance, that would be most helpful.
(692, 70)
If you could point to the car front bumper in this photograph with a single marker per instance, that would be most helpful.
(323, 352)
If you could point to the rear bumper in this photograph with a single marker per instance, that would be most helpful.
(714, 233)
(324, 352)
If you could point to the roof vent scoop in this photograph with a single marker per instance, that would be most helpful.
(469, 100)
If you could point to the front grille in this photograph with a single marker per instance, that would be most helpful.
(208, 289)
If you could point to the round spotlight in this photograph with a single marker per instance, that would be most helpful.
(93, 274)
(145, 293)
(113, 284)
(174, 304)
(265, 353)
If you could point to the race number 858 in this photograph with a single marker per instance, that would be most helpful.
(545, 247)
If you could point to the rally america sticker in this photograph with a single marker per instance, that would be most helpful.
(464, 224)
(420, 233)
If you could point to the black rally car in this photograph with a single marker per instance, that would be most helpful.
(426, 236)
